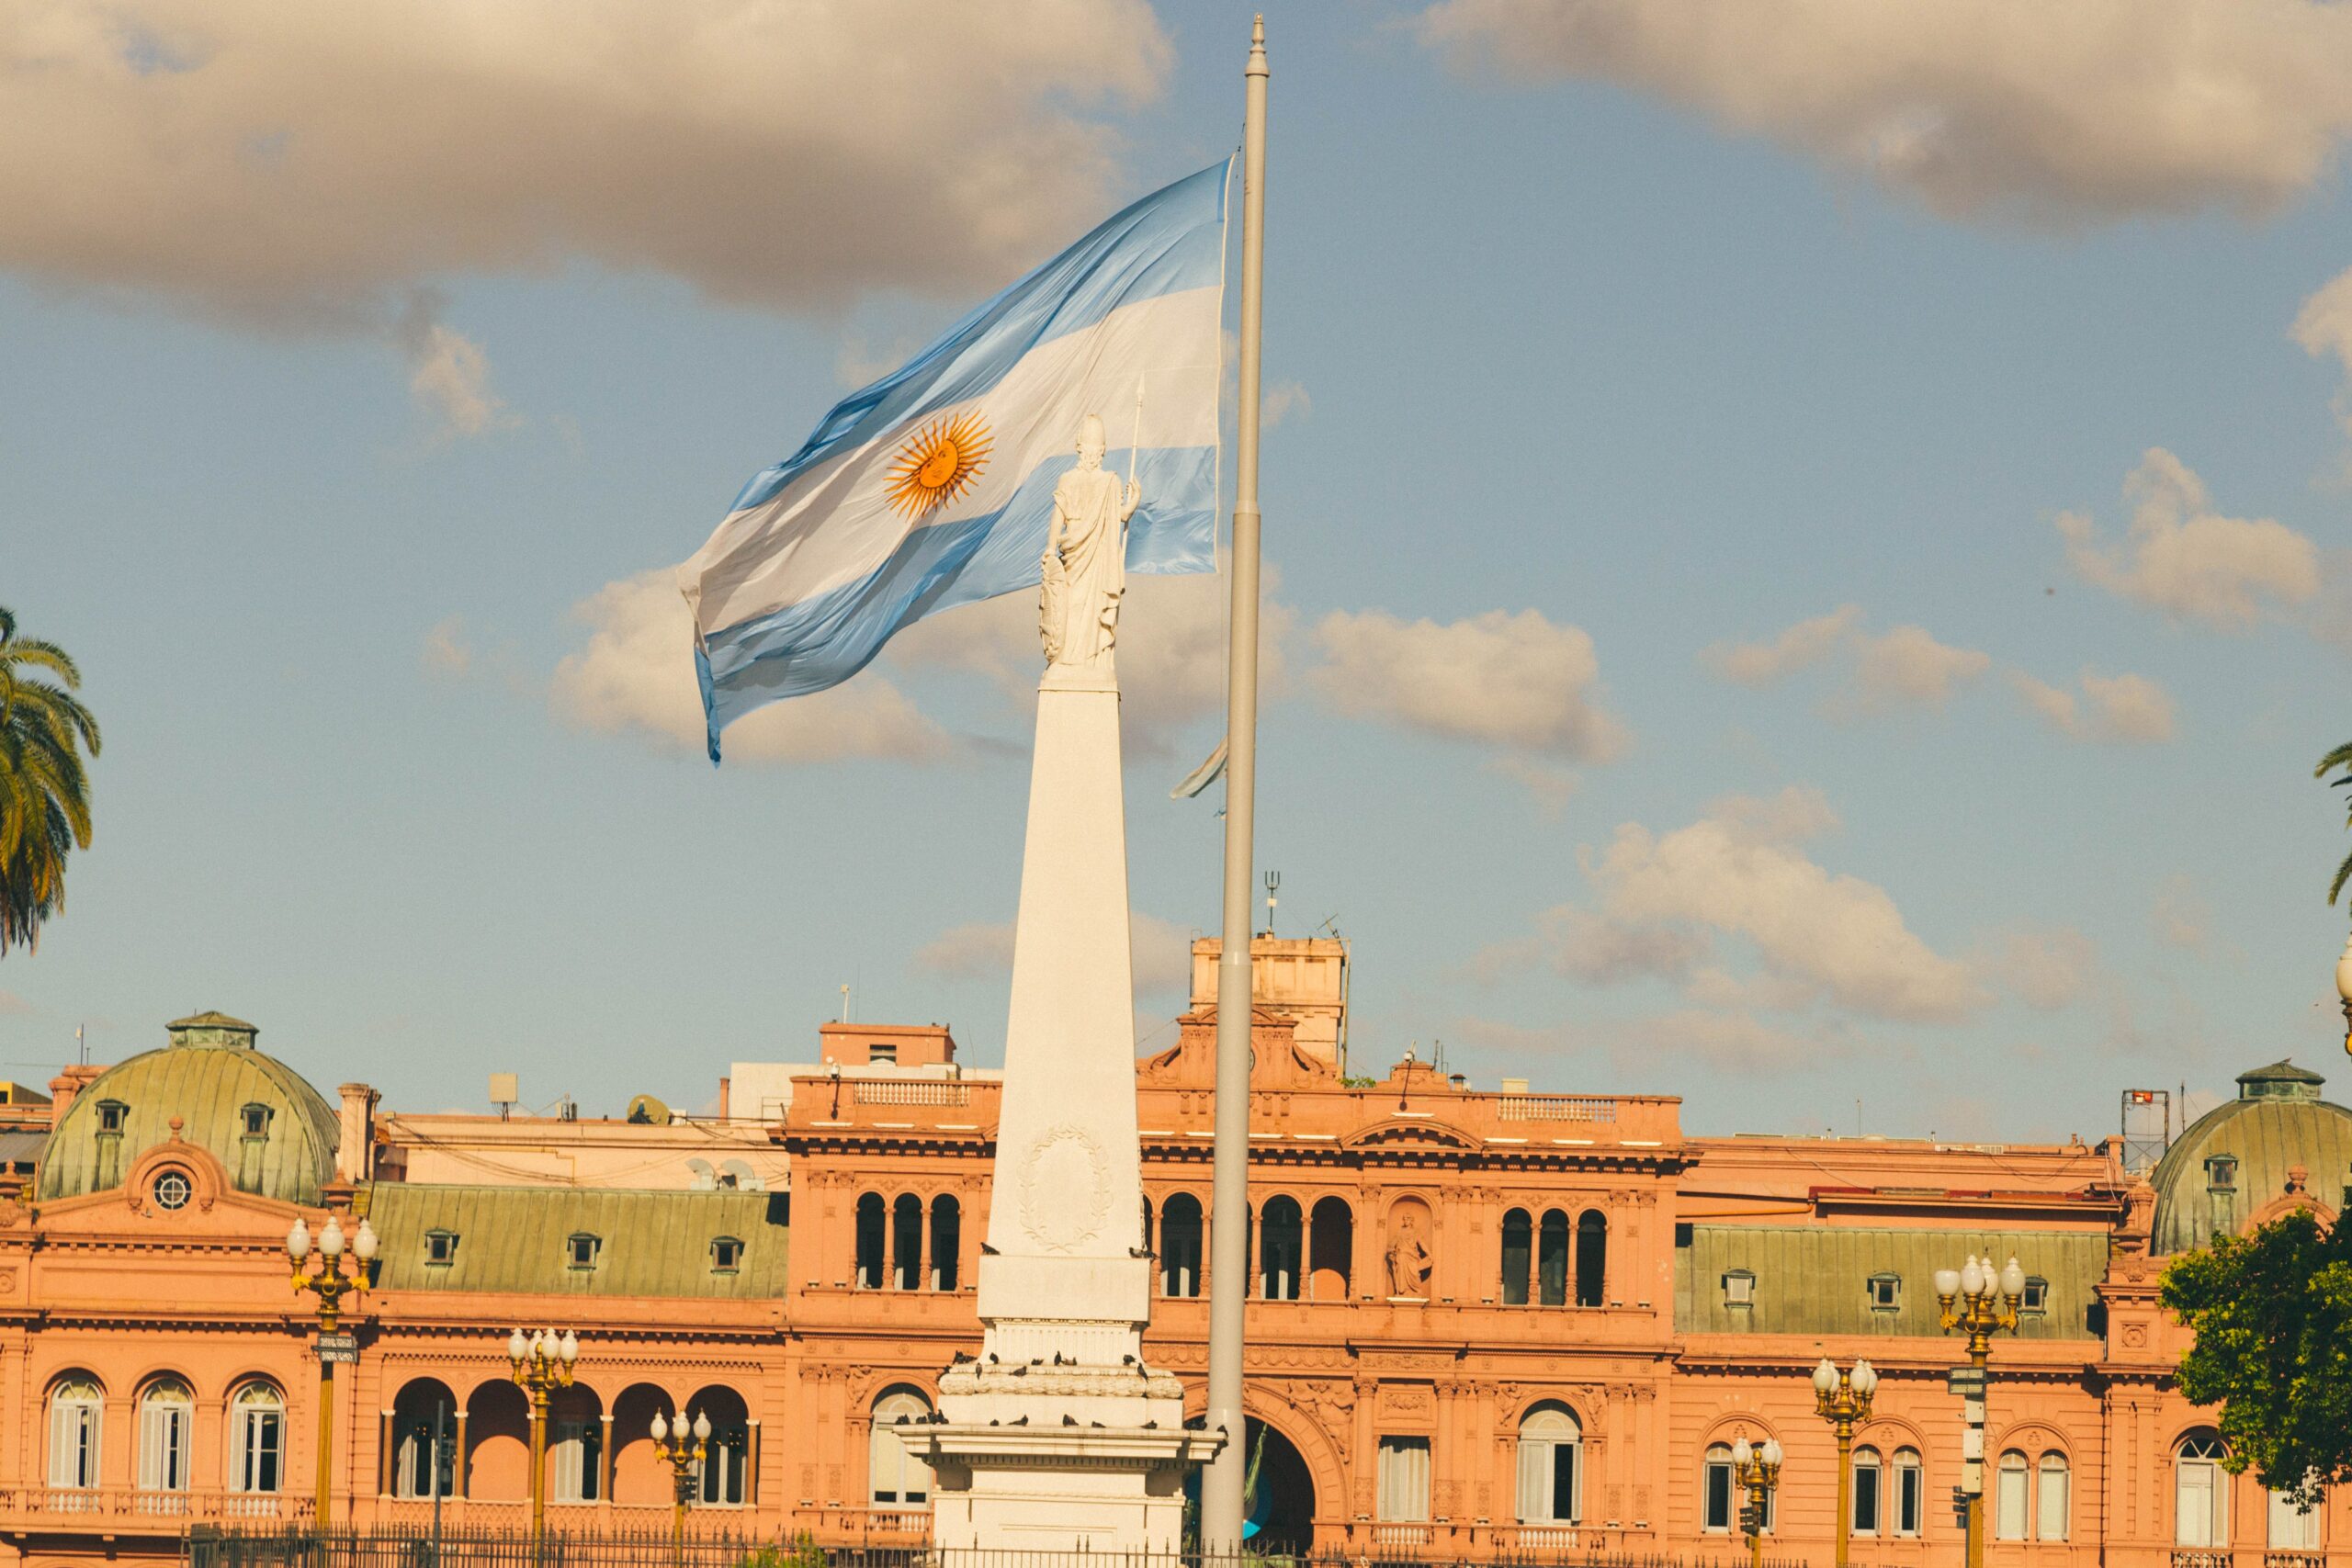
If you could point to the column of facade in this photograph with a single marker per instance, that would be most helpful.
(605, 1456)
(384, 1453)
(1362, 1483)
(459, 1459)
(1371, 1246)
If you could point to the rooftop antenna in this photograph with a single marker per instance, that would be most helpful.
(82, 1043)
(1273, 881)
(844, 1001)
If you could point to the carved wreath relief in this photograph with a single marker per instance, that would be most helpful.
(1064, 1188)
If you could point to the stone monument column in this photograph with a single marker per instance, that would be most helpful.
(1058, 1438)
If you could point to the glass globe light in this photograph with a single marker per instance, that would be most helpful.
(570, 1348)
(1771, 1453)
(2013, 1282)
(1865, 1379)
(1741, 1453)
(298, 1241)
(660, 1428)
(2344, 974)
(1972, 1279)
(331, 1239)
(1947, 1281)
(1824, 1378)
(517, 1347)
(702, 1426)
(363, 1246)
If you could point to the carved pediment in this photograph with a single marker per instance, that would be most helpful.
(1277, 1060)
(1400, 1131)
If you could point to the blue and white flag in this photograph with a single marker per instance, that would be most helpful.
(934, 486)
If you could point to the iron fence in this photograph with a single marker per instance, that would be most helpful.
(398, 1548)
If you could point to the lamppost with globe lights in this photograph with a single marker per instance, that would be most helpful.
(2344, 990)
(329, 1284)
(1843, 1399)
(684, 1463)
(1756, 1469)
(1979, 1301)
(542, 1364)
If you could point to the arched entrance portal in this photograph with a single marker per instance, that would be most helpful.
(1280, 1504)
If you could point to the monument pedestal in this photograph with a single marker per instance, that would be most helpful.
(1058, 1438)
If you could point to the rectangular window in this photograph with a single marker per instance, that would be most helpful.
(882, 1055)
(1739, 1288)
(163, 1446)
(2292, 1529)
(1718, 1498)
(1404, 1480)
(261, 1449)
(2037, 1298)
(583, 1251)
(440, 1249)
(1866, 1498)
(74, 1443)
(2196, 1513)
(573, 1459)
(1886, 1292)
(2221, 1172)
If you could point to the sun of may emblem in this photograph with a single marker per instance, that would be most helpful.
(938, 463)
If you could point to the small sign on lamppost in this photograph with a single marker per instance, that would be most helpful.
(339, 1348)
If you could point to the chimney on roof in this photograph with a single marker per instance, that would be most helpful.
(355, 1149)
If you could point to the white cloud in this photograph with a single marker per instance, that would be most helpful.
(1549, 787)
(1281, 400)
(972, 952)
(1726, 1041)
(306, 166)
(636, 678)
(2009, 110)
(1162, 953)
(2186, 559)
(447, 649)
(448, 372)
(1737, 872)
(1515, 681)
(2119, 709)
(2048, 969)
(1907, 667)
(2324, 326)
(1804, 644)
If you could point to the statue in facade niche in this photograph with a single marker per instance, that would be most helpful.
(1086, 549)
(1408, 1260)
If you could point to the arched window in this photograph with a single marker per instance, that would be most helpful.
(896, 1479)
(166, 1422)
(257, 1439)
(1870, 1502)
(1331, 1250)
(723, 1482)
(1279, 1242)
(1592, 1257)
(1551, 1478)
(946, 1241)
(1715, 1488)
(2008, 1497)
(906, 1242)
(873, 1223)
(1910, 1493)
(1519, 1246)
(1180, 1245)
(2293, 1529)
(77, 1417)
(2200, 1494)
(2053, 1505)
(1552, 1259)
(425, 1434)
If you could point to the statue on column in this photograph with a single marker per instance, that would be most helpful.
(1086, 550)
(1408, 1260)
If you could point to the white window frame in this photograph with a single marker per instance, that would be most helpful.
(2292, 1528)
(2012, 1485)
(1866, 1460)
(891, 1466)
(2053, 1496)
(1718, 1457)
(77, 1413)
(167, 1427)
(1910, 1494)
(257, 1439)
(2200, 1494)
(1404, 1480)
(1543, 1432)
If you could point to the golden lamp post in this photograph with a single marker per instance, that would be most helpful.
(1979, 1301)
(542, 1363)
(684, 1464)
(1843, 1399)
(327, 1281)
(1758, 1472)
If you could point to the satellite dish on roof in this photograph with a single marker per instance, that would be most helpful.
(646, 1109)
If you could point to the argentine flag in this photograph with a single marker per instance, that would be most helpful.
(934, 486)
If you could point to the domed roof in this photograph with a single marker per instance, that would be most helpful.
(2237, 1159)
(265, 1123)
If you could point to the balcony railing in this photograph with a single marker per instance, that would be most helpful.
(168, 1511)
(1554, 1108)
(899, 1091)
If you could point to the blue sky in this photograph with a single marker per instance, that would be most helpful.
(333, 459)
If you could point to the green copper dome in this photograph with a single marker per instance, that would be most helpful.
(2237, 1157)
(258, 1117)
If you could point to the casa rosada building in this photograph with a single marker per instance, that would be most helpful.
(1483, 1324)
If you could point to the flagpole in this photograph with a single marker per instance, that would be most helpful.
(1228, 1282)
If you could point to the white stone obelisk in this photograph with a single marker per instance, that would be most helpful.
(1058, 1438)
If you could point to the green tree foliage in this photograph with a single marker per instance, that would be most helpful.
(2339, 758)
(44, 788)
(2272, 1311)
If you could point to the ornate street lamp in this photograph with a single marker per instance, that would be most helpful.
(329, 1284)
(1979, 1302)
(1758, 1472)
(684, 1463)
(542, 1364)
(1843, 1399)
(2344, 989)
